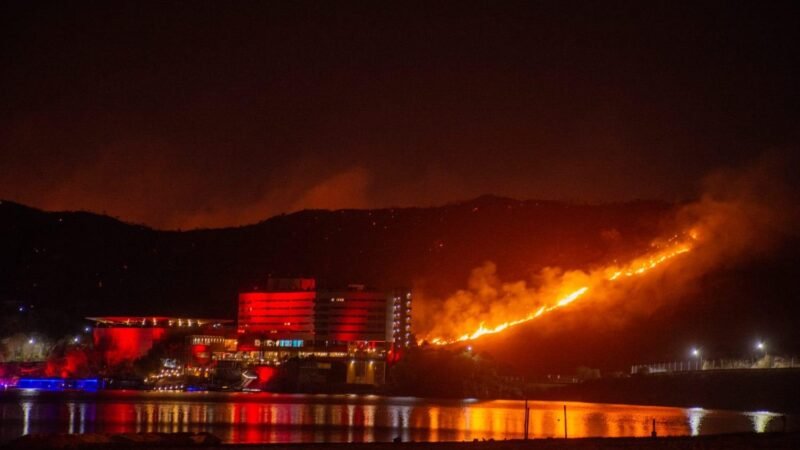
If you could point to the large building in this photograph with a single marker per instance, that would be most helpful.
(357, 327)
(331, 336)
(126, 338)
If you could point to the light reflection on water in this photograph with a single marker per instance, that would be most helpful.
(338, 418)
(761, 420)
(696, 420)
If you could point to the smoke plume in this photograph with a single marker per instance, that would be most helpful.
(740, 215)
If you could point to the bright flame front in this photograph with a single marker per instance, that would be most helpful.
(611, 274)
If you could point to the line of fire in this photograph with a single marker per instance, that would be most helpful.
(292, 331)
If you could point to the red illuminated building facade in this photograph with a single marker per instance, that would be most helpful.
(332, 336)
(357, 329)
(127, 338)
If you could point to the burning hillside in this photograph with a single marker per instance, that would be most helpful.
(577, 285)
(740, 214)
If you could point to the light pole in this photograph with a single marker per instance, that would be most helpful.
(761, 352)
(696, 354)
(31, 350)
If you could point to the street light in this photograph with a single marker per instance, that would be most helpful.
(761, 346)
(31, 341)
(696, 354)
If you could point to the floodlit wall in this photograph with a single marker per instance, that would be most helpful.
(120, 344)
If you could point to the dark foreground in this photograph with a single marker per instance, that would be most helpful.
(207, 441)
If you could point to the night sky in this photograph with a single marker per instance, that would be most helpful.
(192, 114)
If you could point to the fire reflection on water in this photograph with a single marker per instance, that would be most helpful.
(274, 418)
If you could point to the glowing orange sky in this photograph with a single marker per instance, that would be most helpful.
(225, 116)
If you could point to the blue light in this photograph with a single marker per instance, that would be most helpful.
(44, 384)
(87, 384)
(59, 384)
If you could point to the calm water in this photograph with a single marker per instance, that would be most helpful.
(249, 417)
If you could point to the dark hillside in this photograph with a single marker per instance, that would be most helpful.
(69, 265)
(91, 264)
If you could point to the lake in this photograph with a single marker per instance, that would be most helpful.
(264, 417)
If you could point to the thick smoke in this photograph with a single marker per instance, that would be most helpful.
(740, 215)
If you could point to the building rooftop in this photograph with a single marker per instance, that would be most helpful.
(158, 321)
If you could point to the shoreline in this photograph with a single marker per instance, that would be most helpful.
(110, 396)
(11, 395)
(733, 441)
(736, 390)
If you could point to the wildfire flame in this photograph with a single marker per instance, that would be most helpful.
(611, 274)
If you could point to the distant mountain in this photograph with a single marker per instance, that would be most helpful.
(88, 264)
(69, 265)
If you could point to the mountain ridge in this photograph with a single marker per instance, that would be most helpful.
(73, 265)
(402, 245)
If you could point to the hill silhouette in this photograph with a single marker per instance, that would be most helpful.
(92, 264)
(77, 264)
